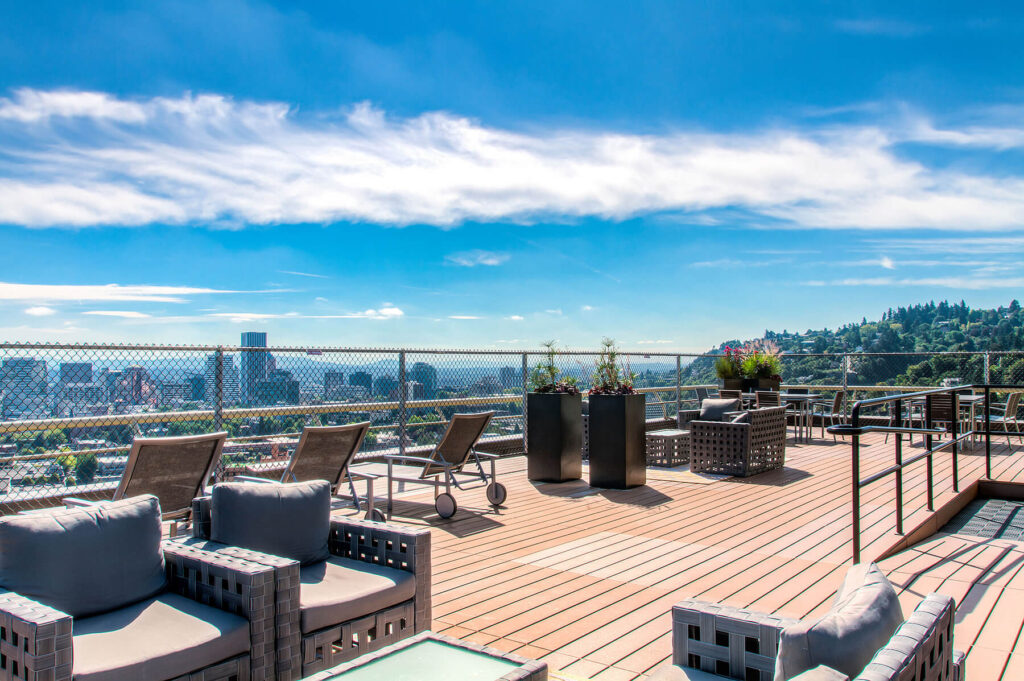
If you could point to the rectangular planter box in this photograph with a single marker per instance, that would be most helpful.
(730, 384)
(554, 437)
(618, 450)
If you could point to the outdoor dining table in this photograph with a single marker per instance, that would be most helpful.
(803, 403)
(966, 401)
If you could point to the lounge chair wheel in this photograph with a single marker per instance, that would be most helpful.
(376, 515)
(445, 505)
(496, 493)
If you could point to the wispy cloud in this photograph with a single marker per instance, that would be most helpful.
(463, 316)
(124, 314)
(586, 308)
(653, 342)
(153, 294)
(974, 283)
(304, 274)
(476, 257)
(384, 312)
(514, 318)
(736, 262)
(40, 311)
(115, 161)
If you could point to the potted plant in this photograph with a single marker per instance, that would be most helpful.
(729, 369)
(554, 423)
(763, 364)
(618, 449)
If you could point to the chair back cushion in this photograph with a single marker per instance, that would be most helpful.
(85, 561)
(289, 520)
(864, 617)
(714, 410)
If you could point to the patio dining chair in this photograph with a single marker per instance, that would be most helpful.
(767, 398)
(730, 395)
(1006, 415)
(324, 453)
(173, 469)
(830, 411)
(446, 462)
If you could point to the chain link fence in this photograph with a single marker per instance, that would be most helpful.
(68, 413)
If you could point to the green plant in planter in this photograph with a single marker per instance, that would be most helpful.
(545, 376)
(609, 378)
(730, 365)
(762, 361)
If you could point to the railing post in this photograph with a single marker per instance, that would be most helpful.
(855, 487)
(988, 377)
(955, 398)
(402, 416)
(988, 432)
(928, 446)
(526, 389)
(679, 386)
(899, 474)
(846, 395)
(218, 390)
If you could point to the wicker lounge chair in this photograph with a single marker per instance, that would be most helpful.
(111, 601)
(175, 470)
(751, 443)
(369, 588)
(711, 641)
(324, 453)
(448, 461)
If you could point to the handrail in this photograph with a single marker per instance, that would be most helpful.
(855, 430)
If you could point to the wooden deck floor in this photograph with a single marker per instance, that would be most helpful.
(585, 578)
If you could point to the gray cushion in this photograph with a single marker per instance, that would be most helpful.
(160, 638)
(289, 520)
(741, 418)
(342, 589)
(85, 561)
(714, 410)
(862, 620)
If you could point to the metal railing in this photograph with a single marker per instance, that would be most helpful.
(897, 417)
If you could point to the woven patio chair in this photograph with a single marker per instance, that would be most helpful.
(110, 600)
(324, 453)
(347, 586)
(175, 470)
(753, 442)
(711, 641)
(829, 410)
(1006, 415)
(448, 460)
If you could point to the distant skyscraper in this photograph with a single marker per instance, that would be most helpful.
(426, 375)
(198, 386)
(280, 387)
(510, 377)
(136, 386)
(385, 386)
(253, 363)
(363, 379)
(229, 377)
(23, 386)
(75, 372)
(334, 384)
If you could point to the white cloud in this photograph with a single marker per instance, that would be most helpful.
(463, 316)
(212, 160)
(304, 274)
(974, 283)
(386, 312)
(476, 257)
(156, 294)
(586, 308)
(515, 318)
(557, 312)
(124, 314)
(653, 342)
(887, 263)
(40, 311)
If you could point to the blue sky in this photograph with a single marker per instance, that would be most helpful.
(498, 174)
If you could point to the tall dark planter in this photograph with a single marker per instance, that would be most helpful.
(750, 385)
(730, 384)
(769, 384)
(554, 437)
(618, 450)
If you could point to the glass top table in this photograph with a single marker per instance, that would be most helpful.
(435, 657)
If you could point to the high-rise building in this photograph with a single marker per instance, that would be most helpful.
(23, 387)
(334, 384)
(280, 387)
(75, 372)
(175, 394)
(229, 377)
(136, 387)
(510, 377)
(363, 379)
(426, 375)
(253, 363)
(385, 386)
(197, 383)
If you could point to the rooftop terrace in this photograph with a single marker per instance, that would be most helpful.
(585, 579)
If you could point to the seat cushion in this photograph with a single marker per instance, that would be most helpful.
(861, 621)
(715, 410)
(342, 589)
(290, 520)
(157, 639)
(741, 418)
(85, 560)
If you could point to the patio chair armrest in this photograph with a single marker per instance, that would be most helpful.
(684, 416)
(35, 639)
(359, 475)
(238, 586)
(251, 478)
(395, 546)
(486, 455)
(697, 628)
(418, 459)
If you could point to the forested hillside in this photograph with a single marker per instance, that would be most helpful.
(931, 327)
